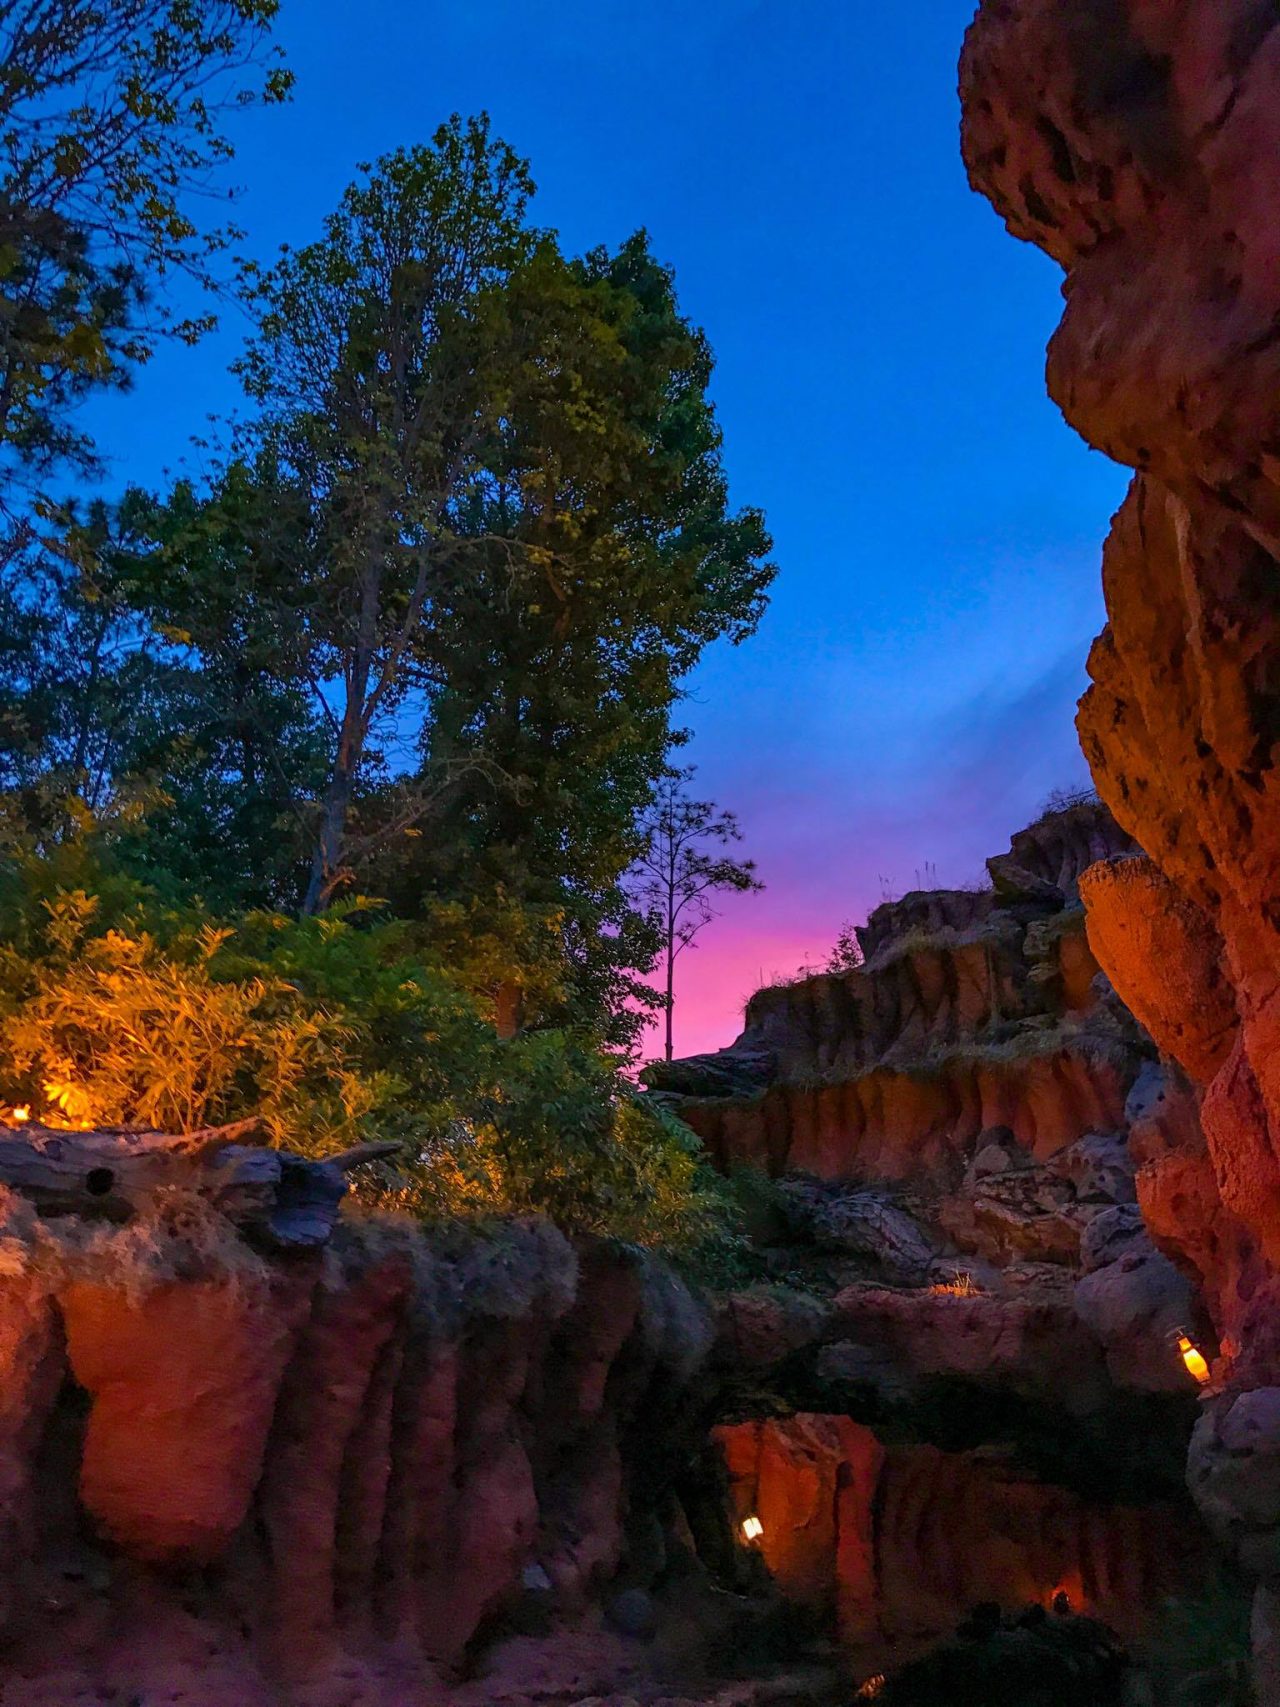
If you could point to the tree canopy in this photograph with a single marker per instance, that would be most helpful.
(421, 635)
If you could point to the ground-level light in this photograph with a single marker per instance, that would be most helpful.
(21, 1115)
(873, 1687)
(1194, 1360)
(752, 1529)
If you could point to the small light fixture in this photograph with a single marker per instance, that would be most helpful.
(1194, 1360)
(752, 1528)
(21, 1115)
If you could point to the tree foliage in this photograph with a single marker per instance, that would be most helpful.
(120, 1009)
(846, 955)
(112, 120)
(422, 633)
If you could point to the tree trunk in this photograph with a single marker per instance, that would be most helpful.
(671, 995)
(326, 861)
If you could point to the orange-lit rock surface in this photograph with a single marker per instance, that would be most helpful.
(896, 1123)
(904, 1541)
(960, 1135)
(240, 1481)
(183, 1382)
(1139, 144)
(971, 1102)
(1160, 949)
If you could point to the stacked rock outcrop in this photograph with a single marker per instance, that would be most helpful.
(982, 1345)
(971, 1011)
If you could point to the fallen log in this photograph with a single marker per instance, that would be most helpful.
(112, 1174)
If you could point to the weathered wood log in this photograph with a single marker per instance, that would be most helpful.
(362, 1153)
(112, 1174)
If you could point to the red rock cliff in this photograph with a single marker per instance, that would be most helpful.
(971, 1011)
(1139, 144)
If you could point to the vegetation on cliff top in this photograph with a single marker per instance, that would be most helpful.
(121, 1007)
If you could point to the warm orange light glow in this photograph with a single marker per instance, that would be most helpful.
(1193, 1359)
(961, 1285)
(752, 1529)
(75, 1108)
(21, 1115)
(872, 1687)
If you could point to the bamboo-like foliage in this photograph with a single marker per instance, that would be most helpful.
(331, 1031)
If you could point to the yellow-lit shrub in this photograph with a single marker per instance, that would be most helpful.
(330, 1032)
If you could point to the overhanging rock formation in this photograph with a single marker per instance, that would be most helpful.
(1139, 145)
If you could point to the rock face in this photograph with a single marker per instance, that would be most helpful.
(1139, 145)
(977, 1335)
(316, 1479)
(971, 1011)
(902, 1542)
(970, 1101)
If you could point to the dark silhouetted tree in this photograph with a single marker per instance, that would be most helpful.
(685, 863)
(113, 123)
(846, 955)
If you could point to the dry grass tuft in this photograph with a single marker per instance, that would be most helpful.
(961, 1285)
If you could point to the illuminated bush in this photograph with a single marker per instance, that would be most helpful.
(331, 1030)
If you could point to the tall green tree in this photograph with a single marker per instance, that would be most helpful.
(501, 487)
(113, 125)
(427, 630)
(75, 662)
(376, 371)
(614, 560)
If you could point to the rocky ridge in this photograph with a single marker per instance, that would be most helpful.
(971, 1011)
(329, 1478)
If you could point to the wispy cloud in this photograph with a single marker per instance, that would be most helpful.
(832, 837)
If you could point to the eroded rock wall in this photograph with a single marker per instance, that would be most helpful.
(972, 1010)
(925, 1119)
(956, 1133)
(233, 1478)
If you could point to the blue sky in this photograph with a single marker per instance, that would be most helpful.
(880, 356)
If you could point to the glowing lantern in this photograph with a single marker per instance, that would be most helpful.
(1193, 1359)
(752, 1529)
(21, 1115)
(872, 1687)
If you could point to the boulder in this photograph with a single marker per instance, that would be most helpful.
(765, 1325)
(1136, 1306)
(1234, 1465)
(866, 1224)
